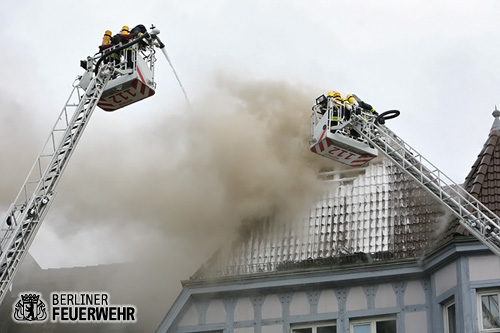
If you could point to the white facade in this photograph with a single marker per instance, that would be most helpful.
(416, 298)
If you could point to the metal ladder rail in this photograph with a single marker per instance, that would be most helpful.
(440, 184)
(447, 190)
(30, 207)
(473, 215)
(36, 173)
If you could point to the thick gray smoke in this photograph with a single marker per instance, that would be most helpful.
(167, 194)
(242, 152)
(19, 144)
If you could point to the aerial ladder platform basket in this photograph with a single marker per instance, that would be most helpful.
(333, 137)
(133, 80)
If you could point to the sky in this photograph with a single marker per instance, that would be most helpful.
(164, 181)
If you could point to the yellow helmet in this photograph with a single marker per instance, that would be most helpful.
(350, 98)
(125, 30)
(333, 94)
(107, 37)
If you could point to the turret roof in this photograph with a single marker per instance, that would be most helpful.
(483, 180)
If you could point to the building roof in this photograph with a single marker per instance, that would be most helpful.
(376, 215)
(370, 215)
(483, 180)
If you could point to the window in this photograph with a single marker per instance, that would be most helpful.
(378, 325)
(489, 315)
(315, 328)
(450, 319)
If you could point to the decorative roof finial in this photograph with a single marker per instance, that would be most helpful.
(496, 122)
(496, 113)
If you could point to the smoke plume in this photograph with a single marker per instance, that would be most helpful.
(167, 193)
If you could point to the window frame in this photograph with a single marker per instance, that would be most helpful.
(314, 326)
(372, 321)
(446, 312)
(480, 294)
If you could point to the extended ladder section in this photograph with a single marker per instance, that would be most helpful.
(32, 203)
(112, 83)
(472, 214)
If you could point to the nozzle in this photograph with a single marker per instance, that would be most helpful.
(160, 43)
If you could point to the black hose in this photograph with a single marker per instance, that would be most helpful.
(109, 52)
(381, 118)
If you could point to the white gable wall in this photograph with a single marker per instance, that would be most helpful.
(413, 294)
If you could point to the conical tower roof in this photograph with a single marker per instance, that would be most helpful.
(483, 180)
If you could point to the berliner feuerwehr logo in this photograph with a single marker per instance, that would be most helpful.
(71, 307)
(30, 307)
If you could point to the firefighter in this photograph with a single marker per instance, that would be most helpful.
(335, 97)
(138, 31)
(106, 44)
(364, 105)
(124, 37)
(106, 41)
(342, 109)
(355, 100)
(349, 103)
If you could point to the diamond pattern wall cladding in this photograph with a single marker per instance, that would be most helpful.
(377, 215)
